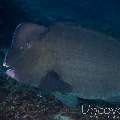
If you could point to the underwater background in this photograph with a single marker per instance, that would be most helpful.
(98, 15)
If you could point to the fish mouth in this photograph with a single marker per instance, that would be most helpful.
(10, 72)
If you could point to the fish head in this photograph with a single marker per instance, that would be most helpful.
(24, 54)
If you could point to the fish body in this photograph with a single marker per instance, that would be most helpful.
(84, 59)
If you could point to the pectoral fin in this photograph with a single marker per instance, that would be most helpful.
(52, 82)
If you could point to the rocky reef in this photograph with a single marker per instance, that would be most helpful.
(23, 102)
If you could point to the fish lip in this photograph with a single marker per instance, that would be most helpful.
(10, 72)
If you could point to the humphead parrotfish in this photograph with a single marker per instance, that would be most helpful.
(85, 61)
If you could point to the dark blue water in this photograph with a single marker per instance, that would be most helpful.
(100, 15)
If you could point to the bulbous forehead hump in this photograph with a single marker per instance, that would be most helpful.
(27, 32)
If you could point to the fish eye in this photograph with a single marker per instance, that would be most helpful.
(28, 44)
